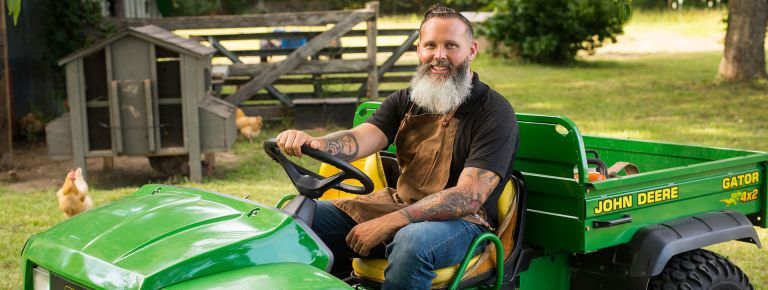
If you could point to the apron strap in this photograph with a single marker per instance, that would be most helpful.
(447, 118)
(410, 109)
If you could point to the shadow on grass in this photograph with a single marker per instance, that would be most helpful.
(129, 177)
(579, 63)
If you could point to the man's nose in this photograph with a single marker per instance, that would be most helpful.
(441, 54)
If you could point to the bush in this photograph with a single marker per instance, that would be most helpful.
(553, 31)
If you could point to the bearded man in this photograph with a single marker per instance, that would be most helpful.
(456, 140)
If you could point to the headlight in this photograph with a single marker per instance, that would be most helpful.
(41, 279)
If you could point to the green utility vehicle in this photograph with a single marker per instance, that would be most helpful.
(638, 231)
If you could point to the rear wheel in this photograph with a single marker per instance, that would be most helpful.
(700, 270)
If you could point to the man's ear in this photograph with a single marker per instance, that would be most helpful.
(473, 50)
(418, 47)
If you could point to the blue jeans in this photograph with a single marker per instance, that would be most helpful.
(415, 251)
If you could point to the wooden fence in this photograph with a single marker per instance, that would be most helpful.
(323, 71)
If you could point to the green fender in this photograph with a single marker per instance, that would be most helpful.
(269, 276)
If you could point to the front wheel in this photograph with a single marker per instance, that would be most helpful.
(700, 270)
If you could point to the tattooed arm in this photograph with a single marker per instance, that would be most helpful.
(466, 198)
(349, 145)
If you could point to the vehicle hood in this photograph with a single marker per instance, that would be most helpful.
(162, 235)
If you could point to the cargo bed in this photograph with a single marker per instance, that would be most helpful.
(673, 181)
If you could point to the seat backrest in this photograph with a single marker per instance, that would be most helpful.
(370, 165)
(511, 220)
(504, 204)
(517, 207)
(508, 214)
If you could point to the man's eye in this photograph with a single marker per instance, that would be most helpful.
(451, 45)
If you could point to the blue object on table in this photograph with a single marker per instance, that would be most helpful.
(291, 42)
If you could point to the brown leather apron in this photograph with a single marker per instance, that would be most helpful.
(424, 152)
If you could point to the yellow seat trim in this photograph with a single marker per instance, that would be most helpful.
(370, 165)
(373, 269)
(504, 204)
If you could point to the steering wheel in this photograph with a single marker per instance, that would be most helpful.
(313, 185)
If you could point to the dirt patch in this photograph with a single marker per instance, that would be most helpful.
(35, 171)
(662, 42)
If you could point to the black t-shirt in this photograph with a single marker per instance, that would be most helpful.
(487, 136)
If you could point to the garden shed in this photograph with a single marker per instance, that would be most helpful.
(142, 92)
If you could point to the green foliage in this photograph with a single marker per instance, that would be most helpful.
(73, 24)
(553, 31)
(14, 8)
(194, 7)
(69, 26)
(236, 6)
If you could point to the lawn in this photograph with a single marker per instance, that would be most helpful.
(662, 97)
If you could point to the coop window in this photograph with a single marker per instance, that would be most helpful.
(168, 66)
(171, 126)
(99, 137)
(95, 66)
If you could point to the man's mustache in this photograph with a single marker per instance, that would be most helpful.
(436, 62)
(445, 63)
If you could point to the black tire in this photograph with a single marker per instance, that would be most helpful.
(700, 270)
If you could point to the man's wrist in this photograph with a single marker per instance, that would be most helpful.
(399, 219)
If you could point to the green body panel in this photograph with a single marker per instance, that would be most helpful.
(562, 208)
(162, 235)
(286, 276)
(549, 272)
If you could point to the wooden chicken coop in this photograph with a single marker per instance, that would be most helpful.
(142, 92)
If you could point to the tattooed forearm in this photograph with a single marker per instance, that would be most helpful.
(342, 144)
(451, 203)
(466, 198)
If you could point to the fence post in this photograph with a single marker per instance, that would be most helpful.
(373, 75)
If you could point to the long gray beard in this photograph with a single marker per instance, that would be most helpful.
(441, 94)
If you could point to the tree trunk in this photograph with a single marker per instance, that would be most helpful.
(744, 56)
(6, 138)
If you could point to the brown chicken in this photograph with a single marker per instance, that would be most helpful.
(249, 126)
(73, 195)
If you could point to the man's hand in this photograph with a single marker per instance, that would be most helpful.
(365, 236)
(290, 141)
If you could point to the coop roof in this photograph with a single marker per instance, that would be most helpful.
(150, 33)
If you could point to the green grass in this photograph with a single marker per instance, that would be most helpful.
(668, 97)
(687, 22)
